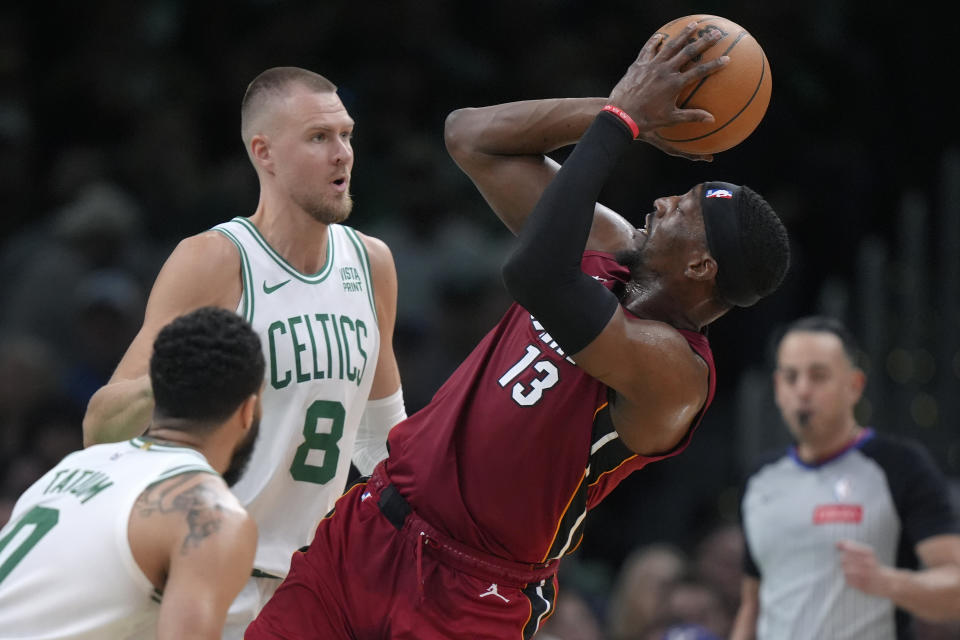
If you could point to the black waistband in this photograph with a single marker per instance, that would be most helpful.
(428, 539)
(393, 506)
(257, 573)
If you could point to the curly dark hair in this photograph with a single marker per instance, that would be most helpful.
(204, 365)
(764, 241)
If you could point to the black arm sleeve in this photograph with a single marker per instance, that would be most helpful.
(543, 273)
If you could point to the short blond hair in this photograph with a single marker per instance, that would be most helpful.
(276, 82)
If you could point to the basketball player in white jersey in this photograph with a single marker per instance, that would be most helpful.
(142, 538)
(323, 299)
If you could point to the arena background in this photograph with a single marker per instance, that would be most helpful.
(119, 134)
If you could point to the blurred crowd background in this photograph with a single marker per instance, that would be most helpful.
(119, 135)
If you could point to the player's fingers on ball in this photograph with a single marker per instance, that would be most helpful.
(690, 48)
(706, 40)
(690, 54)
(650, 47)
(696, 72)
(693, 115)
(687, 32)
(675, 44)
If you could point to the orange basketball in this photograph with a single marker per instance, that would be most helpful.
(737, 95)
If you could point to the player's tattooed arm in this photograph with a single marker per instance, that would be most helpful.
(197, 496)
(199, 579)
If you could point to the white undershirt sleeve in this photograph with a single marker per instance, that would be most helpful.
(378, 418)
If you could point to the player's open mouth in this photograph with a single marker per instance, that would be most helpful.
(646, 223)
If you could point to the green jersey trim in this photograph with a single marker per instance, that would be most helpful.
(146, 443)
(200, 466)
(247, 275)
(319, 276)
(179, 471)
(365, 262)
(149, 444)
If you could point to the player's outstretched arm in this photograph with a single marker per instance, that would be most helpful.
(202, 270)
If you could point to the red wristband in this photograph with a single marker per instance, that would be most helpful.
(625, 117)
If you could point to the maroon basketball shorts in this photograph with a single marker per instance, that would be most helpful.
(370, 576)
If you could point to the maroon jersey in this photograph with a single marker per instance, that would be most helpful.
(518, 444)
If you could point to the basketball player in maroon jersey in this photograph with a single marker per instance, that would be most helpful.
(600, 369)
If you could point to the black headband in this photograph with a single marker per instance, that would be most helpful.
(721, 220)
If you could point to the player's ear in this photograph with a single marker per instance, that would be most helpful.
(701, 266)
(858, 381)
(249, 410)
(260, 151)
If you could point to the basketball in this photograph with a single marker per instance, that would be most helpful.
(737, 95)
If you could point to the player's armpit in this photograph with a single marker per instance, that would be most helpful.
(661, 384)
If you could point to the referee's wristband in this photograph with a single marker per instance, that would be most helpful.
(624, 118)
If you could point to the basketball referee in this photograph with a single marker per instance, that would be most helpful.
(838, 527)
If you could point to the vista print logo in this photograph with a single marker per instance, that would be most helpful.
(350, 277)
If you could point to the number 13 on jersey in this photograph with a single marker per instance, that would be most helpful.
(529, 394)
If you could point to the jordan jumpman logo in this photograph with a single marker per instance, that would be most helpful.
(492, 591)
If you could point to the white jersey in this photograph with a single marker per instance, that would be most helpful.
(321, 342)
(66, 569)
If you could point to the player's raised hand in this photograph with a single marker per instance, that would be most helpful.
(648, 90)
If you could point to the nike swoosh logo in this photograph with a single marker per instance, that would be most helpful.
(267, 289)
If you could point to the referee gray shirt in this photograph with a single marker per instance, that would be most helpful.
(883, 491)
